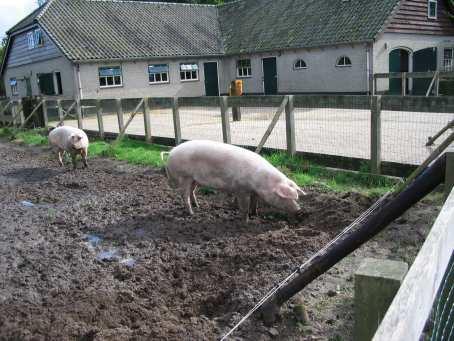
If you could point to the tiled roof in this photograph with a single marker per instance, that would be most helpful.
(262, 25)
(114, 29)
(94, 29)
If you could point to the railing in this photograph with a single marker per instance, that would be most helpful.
(427, 292)
(406, 77)
(384, 133)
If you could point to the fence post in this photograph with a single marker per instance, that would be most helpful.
(226, 137)
(60, 111)
(375, 125)
(404, 83)
(100, 118)
(146, 119)
(121, 122)
(45, 114)
(20, 107)
(449, 173)
(79, 115)
(176, 121)
(290, 126)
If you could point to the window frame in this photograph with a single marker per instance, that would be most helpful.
(301, 67)
(185, 72)
(167, 73)
(247, 68)
(35, 39)
(14, 88)
(344, 58)
(451, 64)
(113, 85)
(429, 3)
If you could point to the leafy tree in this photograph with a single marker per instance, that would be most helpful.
(2, 52)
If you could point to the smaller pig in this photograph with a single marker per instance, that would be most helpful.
(232, 169)
(71, 140)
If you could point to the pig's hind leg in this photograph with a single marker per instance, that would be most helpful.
(193, 197)
(187, 188)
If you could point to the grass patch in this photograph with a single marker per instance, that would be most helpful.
(32, 137)
(304, 173)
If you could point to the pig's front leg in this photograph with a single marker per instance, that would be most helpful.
(60, 157)
(244, 201)
(83, 154)
(73, 160)
(254, 204)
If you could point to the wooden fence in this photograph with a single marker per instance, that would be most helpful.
(410, 310)
(281, 108)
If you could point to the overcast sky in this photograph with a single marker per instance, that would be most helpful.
(11, 11)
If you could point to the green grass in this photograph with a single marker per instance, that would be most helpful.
(304, 173)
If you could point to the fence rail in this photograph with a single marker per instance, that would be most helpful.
(389, 133)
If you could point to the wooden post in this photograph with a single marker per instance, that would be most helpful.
(146, 119)
(290, 126)
(176, 121)
(226, 137)
(79, 115)
(375, 86)
(45, 114)
(131, 117)
(100, 118)
(449, 174)
(375, 125)
(404, 83)
(121, 122)
(60, 111)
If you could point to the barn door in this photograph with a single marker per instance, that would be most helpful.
(398, 62)
(269, 76)
(423, 61)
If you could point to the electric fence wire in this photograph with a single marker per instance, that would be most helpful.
(271, 293)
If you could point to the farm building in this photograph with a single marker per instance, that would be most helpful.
(106, 49)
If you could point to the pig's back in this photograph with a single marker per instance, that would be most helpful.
(60, 136)
(217, 164)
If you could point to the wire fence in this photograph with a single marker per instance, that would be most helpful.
(339, 126)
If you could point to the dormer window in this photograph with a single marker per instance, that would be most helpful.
(344, 61)
(35, 39)
(299, 64)
(432, 9)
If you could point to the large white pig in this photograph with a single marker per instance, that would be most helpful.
(232, 169)
(71, 140)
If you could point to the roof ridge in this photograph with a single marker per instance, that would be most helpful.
(154, 2)
(45, 7)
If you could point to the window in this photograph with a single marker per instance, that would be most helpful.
(13, 84)
(110, 76)
(158, 73)
(50, 83)
(59, 86)
(432, 9)
(300, 64)
(344, 61)
(244, 68)
(189, 72)
(448, 59)
(35, 39)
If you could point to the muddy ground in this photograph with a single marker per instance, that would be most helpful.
(109, 253)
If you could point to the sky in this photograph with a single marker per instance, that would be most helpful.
(12, 11)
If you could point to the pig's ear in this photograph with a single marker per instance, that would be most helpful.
(287, 192)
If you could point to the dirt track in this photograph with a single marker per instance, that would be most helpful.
(109, 253)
